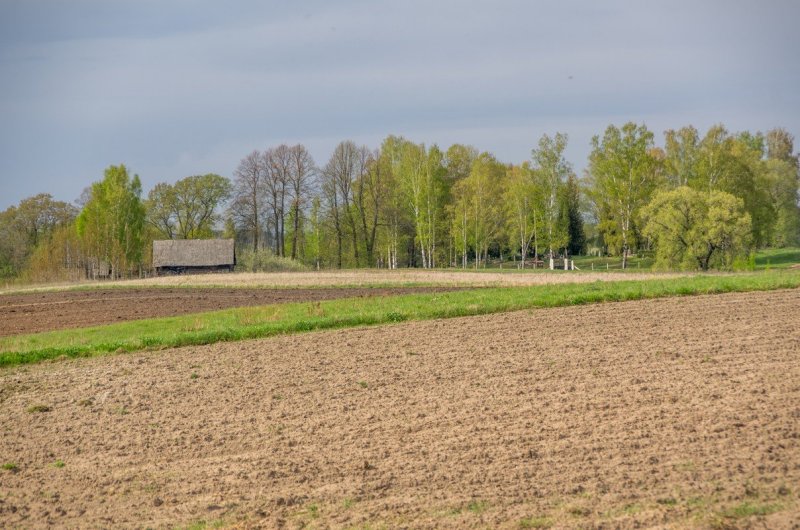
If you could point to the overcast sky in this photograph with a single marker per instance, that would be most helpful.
(178, 88)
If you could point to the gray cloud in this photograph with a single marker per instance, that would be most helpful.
(179, 88)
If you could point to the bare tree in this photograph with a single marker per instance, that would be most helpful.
(301, 179)
(248, 205)
(369, 192)
(278, 165)
(338, 178)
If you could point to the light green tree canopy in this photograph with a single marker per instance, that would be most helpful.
(111, 224)
(550, 171)
(623, 174)
(694, 229)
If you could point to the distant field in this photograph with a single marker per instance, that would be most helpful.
(361, 278)
(592, 268)
(253, 322)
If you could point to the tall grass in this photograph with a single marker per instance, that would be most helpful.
(250, 322)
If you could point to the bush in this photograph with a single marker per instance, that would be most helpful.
(698, 230)
(264, 260)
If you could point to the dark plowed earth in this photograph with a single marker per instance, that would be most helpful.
(680, 412)
(35, 312)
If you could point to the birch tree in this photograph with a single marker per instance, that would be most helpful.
(111, 224)
(481, 197)
(458, 165)
(523, 201)
(550, 170)
(623, 176)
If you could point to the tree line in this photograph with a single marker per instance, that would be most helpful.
(698, 201)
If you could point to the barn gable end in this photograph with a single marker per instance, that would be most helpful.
(188, 255)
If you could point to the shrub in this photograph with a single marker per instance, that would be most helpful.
(264, 260)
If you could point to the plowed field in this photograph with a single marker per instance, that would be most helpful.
(681, 412)
(45, 311)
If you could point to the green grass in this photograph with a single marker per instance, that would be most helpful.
(264, 321)
(202, 525)
(613, 263)
(536, 522)
(10, 466)
(777, 258)
(749, 509)
(477, 507)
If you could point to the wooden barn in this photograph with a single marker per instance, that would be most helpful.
(180, 256)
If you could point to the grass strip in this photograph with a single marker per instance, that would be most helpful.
(264, 321)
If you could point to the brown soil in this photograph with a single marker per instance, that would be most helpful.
(45, 311)
(681, 412)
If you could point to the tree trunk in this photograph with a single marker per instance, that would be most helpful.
(296, 228)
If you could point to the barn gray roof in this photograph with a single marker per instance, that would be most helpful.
(193, 252)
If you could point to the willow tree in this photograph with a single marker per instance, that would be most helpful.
(623, 174)
(111, 224)
(697, 229)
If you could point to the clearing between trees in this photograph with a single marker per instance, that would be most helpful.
(675, 412)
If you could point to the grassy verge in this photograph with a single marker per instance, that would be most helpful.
(264, 321)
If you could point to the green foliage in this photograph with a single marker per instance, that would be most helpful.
(623, 174)
(480, 215)
(408, 204)
(28, 227)
(188, 208)
(698, 230)
(248, 323)
(111, 224)
(570, 218)
(550, 170)
(525, 208)
(264, 260)
(736, 164)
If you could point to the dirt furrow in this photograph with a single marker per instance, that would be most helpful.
(670, 412)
